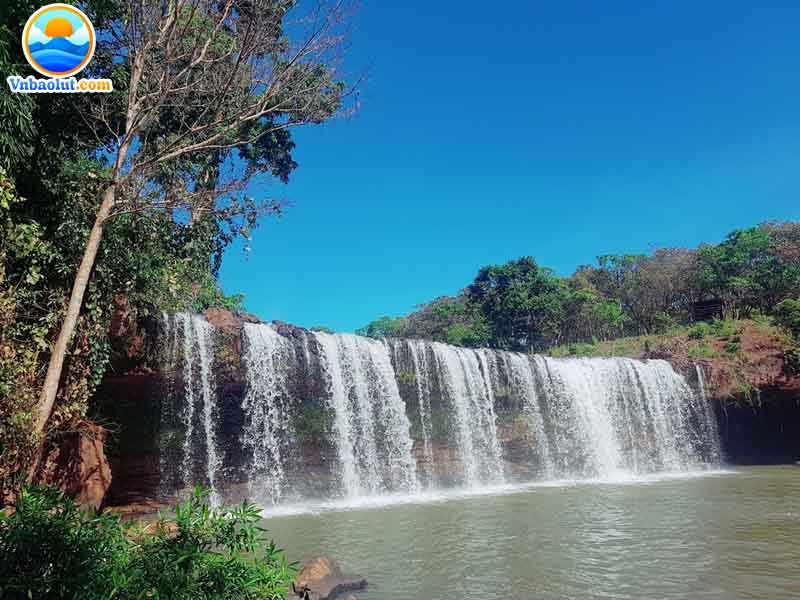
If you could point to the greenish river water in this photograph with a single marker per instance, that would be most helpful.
(731, 534)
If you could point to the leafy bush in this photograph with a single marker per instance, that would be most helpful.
(725, 327)
(52, 549)
(698, 331)
(787, 315)
(733, 346)
(665, 323)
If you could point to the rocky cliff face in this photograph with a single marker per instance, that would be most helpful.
(77, 466)
(131, 404)
(753, 385)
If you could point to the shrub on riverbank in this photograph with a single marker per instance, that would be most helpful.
(52, 549)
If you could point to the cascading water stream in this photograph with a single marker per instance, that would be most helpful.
(709, 433)
(371, 428)
(522, 378)
(198, 413)
(267, 427)
(630, 417)
(325, 415)
(469, 391)
(422, 378)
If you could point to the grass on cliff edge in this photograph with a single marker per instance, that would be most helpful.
(743, 355)
(53, 549)
(703, 340)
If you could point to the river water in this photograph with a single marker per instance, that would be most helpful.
(724, 534)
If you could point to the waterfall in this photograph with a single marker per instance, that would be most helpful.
(627, 417)
(422, 379)
(315, 414)
(522, 378)
(371, 428)
(709, 430)
(200, 458)
(469, 391)
(267, 426)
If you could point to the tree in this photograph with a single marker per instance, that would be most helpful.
(787, 315)
(384, 327)
(752, 269)
(589, 315)
(524, 304)
(211, 90)
(446, 319)
(449, 319)
(645, 286)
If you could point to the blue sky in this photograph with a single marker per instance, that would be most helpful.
(74, 19)
(567, 131)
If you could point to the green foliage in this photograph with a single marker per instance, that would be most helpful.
(21, 340)
(152, 262)
(52, 549)
(522, 306)
(472, 334)
(56, 156)
(445, 319)
(665, 323)
(733, 346)
(698, 331)
(750, 270)
(406, 378)
(787, 315)
(647, 288)
(725, 327)
(744, 390)
(384, 327)
(702, 351)
(313, 422)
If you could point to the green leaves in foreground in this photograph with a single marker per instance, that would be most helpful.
(52, 549)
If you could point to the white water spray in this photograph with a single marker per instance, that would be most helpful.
(267, 430)
(371, 428)
(607, 419)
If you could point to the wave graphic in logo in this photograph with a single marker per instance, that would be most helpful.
(58, 40)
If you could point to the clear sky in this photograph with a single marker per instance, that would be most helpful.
(561, 130)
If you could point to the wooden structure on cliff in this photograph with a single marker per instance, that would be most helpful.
(706, 310)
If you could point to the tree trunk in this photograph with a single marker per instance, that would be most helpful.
(47, 397)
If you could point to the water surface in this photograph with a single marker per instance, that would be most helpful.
(730, 534)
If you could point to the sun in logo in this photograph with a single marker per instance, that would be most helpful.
(58, 40)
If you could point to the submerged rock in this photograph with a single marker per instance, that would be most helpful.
(322, 579)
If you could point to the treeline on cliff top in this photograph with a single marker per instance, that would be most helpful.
(523, 306)
(133, 197)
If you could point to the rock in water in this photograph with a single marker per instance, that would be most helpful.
(322, 579)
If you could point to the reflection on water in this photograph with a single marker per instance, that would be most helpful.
(732, 534)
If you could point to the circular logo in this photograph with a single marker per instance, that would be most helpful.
(58, 40)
